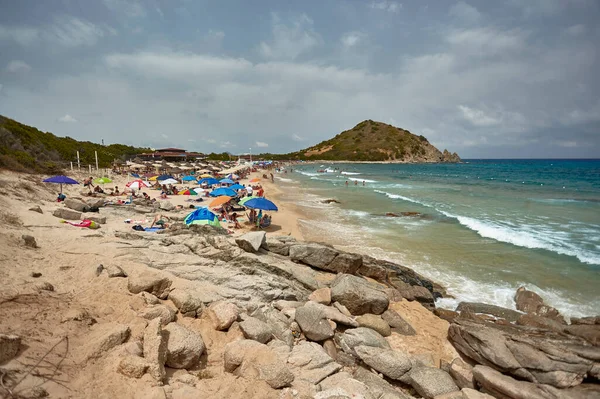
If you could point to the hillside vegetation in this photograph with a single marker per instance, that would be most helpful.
(25, 148)
(376, 141)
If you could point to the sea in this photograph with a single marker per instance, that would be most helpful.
(481, 228)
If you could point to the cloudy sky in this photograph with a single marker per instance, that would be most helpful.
(510, 78)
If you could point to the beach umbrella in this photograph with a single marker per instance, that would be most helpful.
(137, 184)
(223, 191)
(150, 175)
(232, 176)
(102, 180)
(188, 192)
(164, 177)
(206, 175)
(246, 199)
(255, 180)
(208, 180)
(202, 216)
(236, 187)
(260, 203)
(60, 180)
(188, 178)
(227, 181)
(153, 178)
(219, 201)
(169, 181)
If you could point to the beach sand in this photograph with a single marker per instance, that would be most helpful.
(58, 311)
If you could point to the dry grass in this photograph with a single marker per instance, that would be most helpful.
(8, 218)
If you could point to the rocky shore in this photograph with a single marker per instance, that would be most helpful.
(195, 312)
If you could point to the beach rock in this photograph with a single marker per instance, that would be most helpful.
(345, 263)
(104, 337)
(223, 314)
(29, 241)
(539, 356)
(462, 373)
(430, 382)
(251, 242)
(358, 295)
(503, 386)
(448, 315)
(97, 219)
(184, 346)
(308, 361)
(322, 296)
(76, 205)
(278, 247)
(419, 294)
(149, 299)
(281, 326)
(342, 309)
(189, 302)
(155, 350)
(251, 359)
(256, 330)
(375, 323)
(166, 206)
(142, 209)
(498, 311)
(115, 271)
(283, 304)
(133, 366)
(360, 336)
(9, 347)
(36, 209)
(344, 381)
(44, 286)
(397, 323)
(331, 200)
(592, 320)
(35, 274)
(379, 387)
(149, 281)
(530, 302)
(313, 323)
(315, 255)
(536, 321)
(67, 214)
(164, 313)
(468, 393)
(589, 333)
(392, 364)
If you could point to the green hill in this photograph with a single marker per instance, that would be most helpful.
(376, 141)
(24, 148)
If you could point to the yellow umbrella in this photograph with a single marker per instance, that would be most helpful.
(223, 199)
(206, 175)
(153, 178)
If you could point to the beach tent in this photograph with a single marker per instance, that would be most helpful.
(236, 187)
(223, 191)
(208, 180)
(202, 216)
(60, 180)
(260, 203)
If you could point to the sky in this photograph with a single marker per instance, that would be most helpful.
(487, 79)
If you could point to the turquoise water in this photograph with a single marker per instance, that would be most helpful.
(485, 227)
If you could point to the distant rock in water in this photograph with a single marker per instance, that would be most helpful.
(329, 201)
(400, 214)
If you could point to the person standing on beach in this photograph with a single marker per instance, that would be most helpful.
(363, 182)
(346, 183)
(272, 179)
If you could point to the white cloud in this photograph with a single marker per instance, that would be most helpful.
(575, 30)
(351, 39)
(226, 144)
(488, 40)
(67, 119)
(295, 137)
(290, 40)
(261, 144)
(129, 8)
(21, 34)
(67, 31)
(477, 117)
(385, 5)
(465, 12)
(17, 66)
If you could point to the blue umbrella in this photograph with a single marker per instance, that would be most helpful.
(260, 203)
(61, 180)
(209, 180)
(188, 178)
(227, 181)
(236, 187)
(164, 177)
(202, 216)
(223, 191)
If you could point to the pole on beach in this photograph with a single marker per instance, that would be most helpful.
(78, 164)
(71, 166)
(96, 154)
(90, 168)
(250, 155)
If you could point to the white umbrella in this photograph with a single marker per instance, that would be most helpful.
(169, 181)
(137, 184)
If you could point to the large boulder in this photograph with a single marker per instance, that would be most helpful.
(539, 356)
(251, 242)
(9, 347)
(497, 311)
(392, 364)
(345, 263)
(378, 386)
(360, 336)
(155, 350)
(530, 302)
(279, 323)
(166, 206)
(322, 296)
(104, 337)
(277, 246)
(76, 205)
(149, 281)
(184, 346)
(430, 382)
(313, 320)
(256, 330)
(253, 360)
(376, 323)
(309, 362)
(358, 295)
(132, 366)
(223, 314)
(462, 373)
(343, 383)
(68, 214)
(397, 323)
(189, 302)
(315, 255)
(164, 313)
